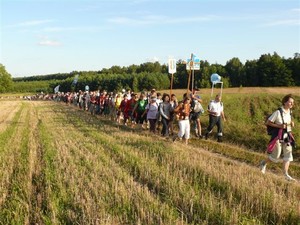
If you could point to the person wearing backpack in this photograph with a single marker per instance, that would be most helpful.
(282, 139)
(197, 110)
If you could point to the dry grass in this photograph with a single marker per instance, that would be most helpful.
(8, 110)
(71, 168)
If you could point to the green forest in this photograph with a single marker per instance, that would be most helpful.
(270, 70)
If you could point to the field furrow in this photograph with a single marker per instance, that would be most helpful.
(60, 165)
(7, 140)
(8, 111)
(190, 164)
(14, 207)
(36, 180)
(90, 165)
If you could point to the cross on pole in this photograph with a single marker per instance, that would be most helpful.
(192, 65)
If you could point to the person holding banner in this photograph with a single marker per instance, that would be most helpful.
(216, 114)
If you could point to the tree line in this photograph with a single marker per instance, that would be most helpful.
(270, 70)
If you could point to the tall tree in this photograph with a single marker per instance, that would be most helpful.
(5, 80)
(150, 67)
(205, 75)
(272, 71)
(249, 74)
(132, 69)
(234, 69)
(181, 76)
(293, 64)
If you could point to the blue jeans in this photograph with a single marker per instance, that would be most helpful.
(165, 128)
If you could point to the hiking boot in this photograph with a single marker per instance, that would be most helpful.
(206, 136)
(289, 178)
(200, 136)
(174, 138)
(219, 139)
(263, 166)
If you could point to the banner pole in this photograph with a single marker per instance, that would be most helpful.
(171, 84)
(190, 73)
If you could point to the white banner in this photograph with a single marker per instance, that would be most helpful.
(172, 66)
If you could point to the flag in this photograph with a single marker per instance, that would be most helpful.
(75, 79)
(56, 89)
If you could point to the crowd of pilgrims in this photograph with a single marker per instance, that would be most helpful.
(146, 110)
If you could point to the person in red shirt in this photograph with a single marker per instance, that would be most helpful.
(123, 110)
(129, 109)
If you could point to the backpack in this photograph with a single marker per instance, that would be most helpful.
(271, 130)
(197, 107)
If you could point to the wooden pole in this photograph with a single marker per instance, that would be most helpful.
(171, 84)
(193, 80)
(190, 73)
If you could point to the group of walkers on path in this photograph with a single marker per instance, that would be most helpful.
(152, 110)
(158, 112)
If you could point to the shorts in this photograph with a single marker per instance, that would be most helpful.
(195, 115)
(286, 148)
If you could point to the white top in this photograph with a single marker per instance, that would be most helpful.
(216, 107)
(277, 119)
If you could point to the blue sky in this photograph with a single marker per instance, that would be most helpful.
(40, 37)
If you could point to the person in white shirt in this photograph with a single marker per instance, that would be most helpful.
(128, 94)
(216, 114)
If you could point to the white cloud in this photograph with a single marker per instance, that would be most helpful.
(31, 23)
(156, 19)
(73, 29)
(47, 42)
(53, 29)
(291, 22)
(153, 59)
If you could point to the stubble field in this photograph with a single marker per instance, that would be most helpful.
(60, 165)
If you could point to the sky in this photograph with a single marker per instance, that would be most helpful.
(40, 37)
